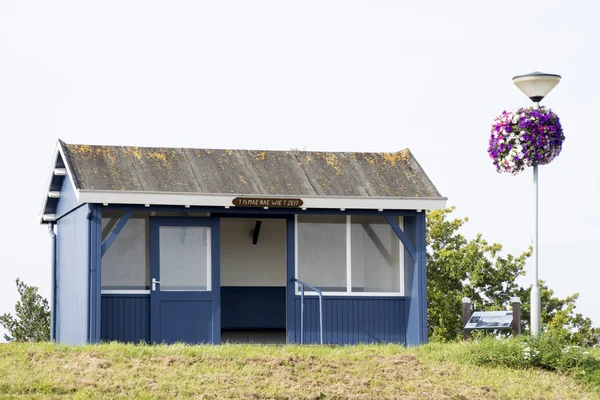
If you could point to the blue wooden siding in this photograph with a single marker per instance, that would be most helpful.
(350, 320)
(125, 318)
(347, 320)
(72, 277)
(68, 199)
(415, 281)
(252, 307)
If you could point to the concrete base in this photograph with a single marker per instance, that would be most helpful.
(259, 337)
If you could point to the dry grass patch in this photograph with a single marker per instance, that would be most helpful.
(263, 372)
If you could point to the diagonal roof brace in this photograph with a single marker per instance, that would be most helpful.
(396, 228)
(115, 232)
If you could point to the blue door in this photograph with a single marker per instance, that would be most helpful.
(184, 277)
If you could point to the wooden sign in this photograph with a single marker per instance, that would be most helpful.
(266, 202)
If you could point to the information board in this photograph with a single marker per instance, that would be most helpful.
(490, 320)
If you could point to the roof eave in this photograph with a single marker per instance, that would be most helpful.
(226, 199)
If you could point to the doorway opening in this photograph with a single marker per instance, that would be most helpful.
(253, 280)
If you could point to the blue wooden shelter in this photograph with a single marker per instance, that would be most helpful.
(203, 246)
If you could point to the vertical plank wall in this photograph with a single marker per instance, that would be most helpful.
(125, 318)
(351, 320)
(72, 277)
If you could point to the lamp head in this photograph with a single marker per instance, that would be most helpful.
(536, 85)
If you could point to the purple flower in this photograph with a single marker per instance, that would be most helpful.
(536, 137)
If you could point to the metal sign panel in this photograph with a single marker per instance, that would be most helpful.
(490, 320)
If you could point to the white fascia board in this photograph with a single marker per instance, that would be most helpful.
(68, 167)
(48, 184)
(220, 200)
(58, 150)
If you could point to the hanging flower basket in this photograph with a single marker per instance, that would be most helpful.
(524, 137)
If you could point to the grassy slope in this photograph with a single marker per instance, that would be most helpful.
(255, 372)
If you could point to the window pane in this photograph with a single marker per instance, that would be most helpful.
(125, 264)
(184, 258)
(375, 256)
(322, 252)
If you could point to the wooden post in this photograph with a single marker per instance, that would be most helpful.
(516, 310)
(466, 316)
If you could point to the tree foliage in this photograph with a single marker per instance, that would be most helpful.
(457, 268)
(558, 315)
(32, 320)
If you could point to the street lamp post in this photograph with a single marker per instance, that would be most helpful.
(536, 86)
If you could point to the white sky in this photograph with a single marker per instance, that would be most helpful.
(321, 75)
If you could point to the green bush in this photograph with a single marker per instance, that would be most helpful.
(550, 351)
(32, 320)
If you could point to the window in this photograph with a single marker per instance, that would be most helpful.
(322, 252)
(184, 258)
(375, 256)
(343, 254)
(125, 264)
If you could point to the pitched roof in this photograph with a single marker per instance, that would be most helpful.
(248, 172)
(154, 170)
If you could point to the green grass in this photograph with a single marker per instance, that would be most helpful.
(435, 371)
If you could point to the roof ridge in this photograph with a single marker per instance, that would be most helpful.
(64, 144)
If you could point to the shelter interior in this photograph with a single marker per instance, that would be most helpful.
(341, 255)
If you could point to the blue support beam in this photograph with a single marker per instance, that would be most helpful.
(290, 228)
(95, 281)
(415, 280)
(403, 238)
(115, 232)
(421, 265)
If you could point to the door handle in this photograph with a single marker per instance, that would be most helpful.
(154, 282)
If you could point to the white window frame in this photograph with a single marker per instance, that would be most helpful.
(147, 238)
(349, 292)
(125, 291)
(209, 287)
